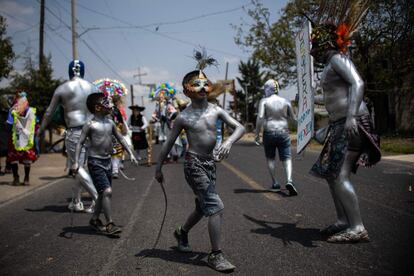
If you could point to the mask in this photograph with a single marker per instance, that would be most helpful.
(271, 87)
(76, 68)
(107, 103)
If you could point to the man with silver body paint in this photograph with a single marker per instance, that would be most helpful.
(72, 96)
(274, 114)
(350, 140)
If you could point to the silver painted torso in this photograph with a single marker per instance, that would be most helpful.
(99, 132)
(72, 96)
(342, 88)
(200, 127)
(275, 112)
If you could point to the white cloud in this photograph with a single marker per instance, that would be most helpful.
(153, 75)
(22, 15)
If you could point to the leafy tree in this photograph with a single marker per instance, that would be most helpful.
(273, 44)
(252, 79)
(39, 84)
(382, 51)
(6, 51)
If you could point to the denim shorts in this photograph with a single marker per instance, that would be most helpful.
(200, 173)
(100, 170)
(279, 140)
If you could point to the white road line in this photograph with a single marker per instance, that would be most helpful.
(117, 253)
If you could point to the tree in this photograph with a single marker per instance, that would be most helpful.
(6, 51)
(39, 85)
(382, 51)
(273, 44)
(252, 79)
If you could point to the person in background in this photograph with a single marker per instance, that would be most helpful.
(138, 124)
(21, 146)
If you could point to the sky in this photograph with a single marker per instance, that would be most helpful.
(118, 37)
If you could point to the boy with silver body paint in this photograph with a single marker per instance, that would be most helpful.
(99, 130)
(199, 122)
(274, 113)
(72, 96)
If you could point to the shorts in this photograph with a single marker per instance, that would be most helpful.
(100, 171)
(279, 140)
(200, 173)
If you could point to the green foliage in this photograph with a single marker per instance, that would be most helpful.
(253, 79)
(6, 51)
(382, 50)
(39, 84)
(273, 44)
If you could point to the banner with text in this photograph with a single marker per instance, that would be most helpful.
(305, 74)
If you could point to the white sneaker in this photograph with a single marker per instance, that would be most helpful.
(90, 209)
(77, 207)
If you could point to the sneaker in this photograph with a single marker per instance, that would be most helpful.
(275, 187)
(112, 229)
(182, 240)
(97, 225)
(115, 176)
(291, 188)
(349, 236)
(219, 263)
(77, 207)
(90, 209)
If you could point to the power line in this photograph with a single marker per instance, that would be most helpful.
(167, 22)
(143, 27)
(103, 61)
(87, 45)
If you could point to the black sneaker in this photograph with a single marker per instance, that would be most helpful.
(112, 229)
(291, 188)
(219, 263)
(97, 225)
(182, 240)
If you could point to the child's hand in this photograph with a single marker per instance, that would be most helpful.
(159, 176)
(134, 160)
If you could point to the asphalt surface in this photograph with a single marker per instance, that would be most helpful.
(264, 233)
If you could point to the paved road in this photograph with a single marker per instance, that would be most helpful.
(263, 234)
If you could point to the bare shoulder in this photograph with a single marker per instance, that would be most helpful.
(339, 58)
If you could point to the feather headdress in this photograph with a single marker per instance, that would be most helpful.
(203, 61)
(345, 15)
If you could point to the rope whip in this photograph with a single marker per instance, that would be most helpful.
(154, 246)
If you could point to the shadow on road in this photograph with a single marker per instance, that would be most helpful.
(51, 208)
(259, 191)
(53, 177)
(192, 258)
(287, 232)
(67, 232)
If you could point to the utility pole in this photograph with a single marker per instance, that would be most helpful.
(139, 75)
(132, 94)
(74, 34)
(41, 35)
(225, 78)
